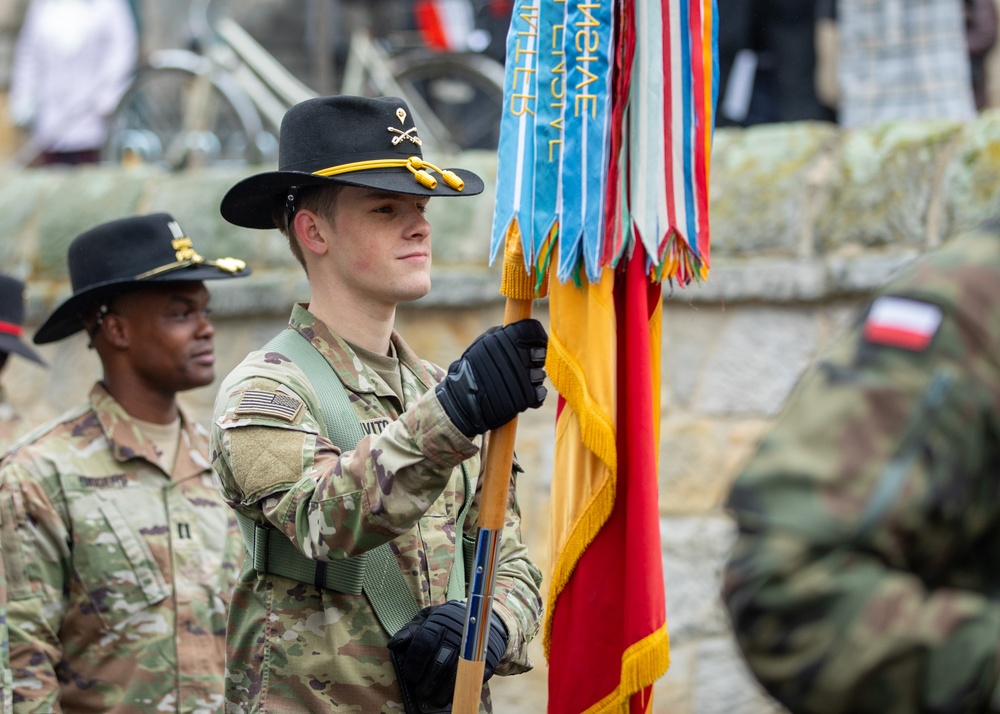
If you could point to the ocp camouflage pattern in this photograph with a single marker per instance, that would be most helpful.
(866, 574)
(11, 427)
(119, 571)
(292, 647)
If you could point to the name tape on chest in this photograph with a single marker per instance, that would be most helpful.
(901, 322)
(374, 426)
(270, 404)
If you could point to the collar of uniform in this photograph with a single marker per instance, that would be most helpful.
(127, 441)
(355, 376)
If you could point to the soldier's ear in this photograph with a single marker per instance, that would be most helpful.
(114, 329)
(310, 228)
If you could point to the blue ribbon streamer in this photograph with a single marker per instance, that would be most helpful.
(515, 154)
(589, 51)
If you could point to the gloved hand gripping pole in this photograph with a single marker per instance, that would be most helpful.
(517, 286)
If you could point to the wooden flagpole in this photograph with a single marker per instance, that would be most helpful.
(516, 285)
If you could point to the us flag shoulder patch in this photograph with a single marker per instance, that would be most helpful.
(271, 404)
(901, 322)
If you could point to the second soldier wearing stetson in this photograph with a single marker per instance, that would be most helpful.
(353, 464)
(12, 298)
(119, 553)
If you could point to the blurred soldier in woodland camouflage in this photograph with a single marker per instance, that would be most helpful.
(353, 465)
(866, 575)
(119, 553)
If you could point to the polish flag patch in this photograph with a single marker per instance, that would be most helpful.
(903, 323)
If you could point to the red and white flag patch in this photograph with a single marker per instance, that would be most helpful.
(901, 322)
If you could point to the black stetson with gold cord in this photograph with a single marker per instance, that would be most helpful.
(122, 255)
(12, 319)
(357, 141)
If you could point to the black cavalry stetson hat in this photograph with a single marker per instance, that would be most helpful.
(122, 255)
(358, 141)
(12, 319)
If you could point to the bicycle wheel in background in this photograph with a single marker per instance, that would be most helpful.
(463, 91)
(178, 113)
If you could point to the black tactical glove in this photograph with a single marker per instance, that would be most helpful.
(499, 376)
(426, 652)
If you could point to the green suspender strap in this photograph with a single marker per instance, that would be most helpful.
(375, 573)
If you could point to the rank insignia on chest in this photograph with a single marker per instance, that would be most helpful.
(270, 404)
(902, 323)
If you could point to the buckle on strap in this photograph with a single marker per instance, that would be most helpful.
(270, 551)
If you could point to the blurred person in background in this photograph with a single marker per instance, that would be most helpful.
(903, 60)
(11, 329)
(71, 65)
(767, 58)
(12, 293)
(865, 575)
(980, 37)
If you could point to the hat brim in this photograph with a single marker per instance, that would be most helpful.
(66, 319)
(250, 202)
(10, 343)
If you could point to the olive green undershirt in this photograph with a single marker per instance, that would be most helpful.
(385, 366)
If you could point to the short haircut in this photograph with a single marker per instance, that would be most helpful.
(319, 199)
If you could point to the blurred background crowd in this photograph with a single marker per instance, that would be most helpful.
(64, 63)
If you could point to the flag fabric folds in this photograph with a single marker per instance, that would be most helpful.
(602, 174)
(606, 633)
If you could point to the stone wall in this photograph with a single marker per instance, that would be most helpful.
(806, 221)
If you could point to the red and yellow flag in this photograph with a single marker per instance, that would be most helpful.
(606, 633)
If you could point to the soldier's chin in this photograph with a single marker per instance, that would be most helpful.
(201, 376)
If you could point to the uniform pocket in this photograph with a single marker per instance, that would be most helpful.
(440, 552)
(112, 561)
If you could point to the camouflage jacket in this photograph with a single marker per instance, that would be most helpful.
(11, 424)
(119, 572)
(291, 646)
(6, 676)
(866, 574)
(10, 428)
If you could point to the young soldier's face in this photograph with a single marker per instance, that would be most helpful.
(380, 245)
(170, 336)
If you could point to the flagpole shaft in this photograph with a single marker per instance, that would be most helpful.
(492, 515)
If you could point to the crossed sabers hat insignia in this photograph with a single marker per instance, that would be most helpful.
(401, 114)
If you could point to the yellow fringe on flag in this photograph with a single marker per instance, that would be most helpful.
(641, 667)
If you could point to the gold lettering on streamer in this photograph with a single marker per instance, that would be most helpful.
(522, 95)
(557, 87)
(587, 43)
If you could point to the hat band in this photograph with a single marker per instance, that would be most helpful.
(229, 265)
(414, 164)
(9, 328)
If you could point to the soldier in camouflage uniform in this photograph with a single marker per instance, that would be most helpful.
(11, 329)
(866, 574)
(11, 426)
(350, 196)
(120, 554)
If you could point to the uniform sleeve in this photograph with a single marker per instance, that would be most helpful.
(35, 550)
(857, 581)
(334, 505)
(516, 597)
(6, 676)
